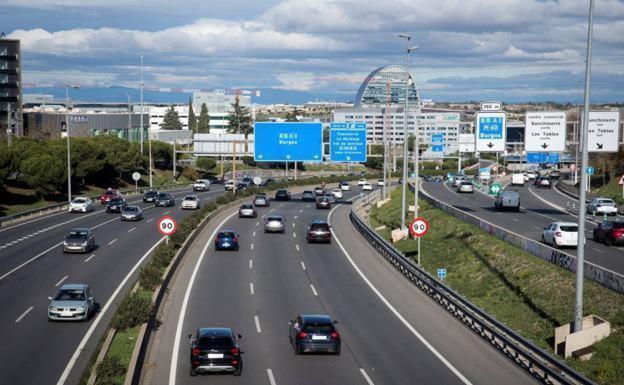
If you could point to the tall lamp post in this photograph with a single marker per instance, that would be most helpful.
(69, 192)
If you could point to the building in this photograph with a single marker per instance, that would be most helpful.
(157, 116)
(373, 92)
(10, 88)
(219, 104)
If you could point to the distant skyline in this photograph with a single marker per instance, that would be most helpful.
(304, 50)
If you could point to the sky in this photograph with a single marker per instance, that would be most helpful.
(298, 50)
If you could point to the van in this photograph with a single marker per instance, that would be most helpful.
(507, 200)
(517, 180)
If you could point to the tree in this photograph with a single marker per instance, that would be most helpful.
(203, 123)
(205, 163)
(171, 120)
(239, 120)
(162, 153)
(410, 142)
(192, 120)
(44, 173)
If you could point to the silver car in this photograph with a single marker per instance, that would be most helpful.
(274, 224)
(131, 213)
(79, 240)
(247, 210)
(261, 201)
(465, 187)
(72, 302)
(190, 202)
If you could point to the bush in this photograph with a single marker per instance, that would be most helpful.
(150, 275)
(109, 370)
(190, 173)
(205, 163)
(133, 311)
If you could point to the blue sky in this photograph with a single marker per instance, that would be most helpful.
(512, 50)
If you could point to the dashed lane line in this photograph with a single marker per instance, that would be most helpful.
(113, 241)
(24, 314)
(251, 288)
(271, 377)
(60, 281)
(297, 247)
(257, 322)
(313, 290)
(149, 220)
(303, 265)
(88, 259)
(132, 229)
(251, 263)
(366, 377)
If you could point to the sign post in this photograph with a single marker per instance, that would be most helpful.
(136, 176)
(418, 228)
(621, 183)
(442, 274)
(167, 226)
(590, 171)
(490, 129)
(347, 142)
(545, 131)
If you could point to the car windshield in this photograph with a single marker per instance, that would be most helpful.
(131, 209)
(151, 193)
(70, 295)
(109, 193)
(190, 198)
(282, 191)
(77, 234)
(162, 196)
(319, 328)
(606, 202)
(569, 229)
(307, 192)
(80, 200)
(215, 342)
(115, 201)
(274, 219)
(226, 234)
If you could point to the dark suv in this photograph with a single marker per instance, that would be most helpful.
(115, 205)
(610, 233)
(314, 333)
(318, 231)
(150, 196)
(282, 195)
(165, 199)
(215, 350)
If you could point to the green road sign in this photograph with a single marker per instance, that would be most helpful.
(495, 188)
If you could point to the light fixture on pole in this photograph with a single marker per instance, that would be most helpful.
(69, 192)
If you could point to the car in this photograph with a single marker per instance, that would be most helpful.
(201, 185)
(282, 195)
(79, 240)
(457, 180)
(345, 186)
(191, 202)
(267, 181)
(261, 200)
(72, 302)
(517, 180)
(559, 234)
(428, 178)
(274, 224)
(610, 233)
(242, 185)
(507, 200)
(337, 193)
(131, 213)
(318, 231)
(465, 187)
(367, 187)
(247, 210)
(361, 181)
(116, 205)
(308, 196)
(330, 196)
(438, 179)
(602, 206)
(227, 240)
(555, 174)
(108, 195)
(380, 182)
(323, 203)
(542, 182)
(81, 205)
(150, 196)
(311, 333)
(165, 200)
(215, 350)
(318, 191)
(529, 175)
(229, 185)
(248, 180)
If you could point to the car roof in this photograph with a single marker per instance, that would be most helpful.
(73, 286)
(216, 332)
(318, 222)
(274, 216)
(565, 223)
(131, 207)
(316, 318)
(227, 231)
(79, 229)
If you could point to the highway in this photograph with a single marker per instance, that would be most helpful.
(539, 207)
(392, 333)
(33, 266)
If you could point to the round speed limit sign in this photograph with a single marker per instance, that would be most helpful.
(167, 225)
(419, 227)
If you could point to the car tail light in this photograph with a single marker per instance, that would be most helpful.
(234, 351)
(234, 362)
(335, 335)
(302, 335)
(558, 234)
(195, 351)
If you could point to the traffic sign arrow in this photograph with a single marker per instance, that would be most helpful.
(490, 145)
(260, 156)
(287, 156)
(599, 146)
(315, 156)
(544, 146)
(348, 158)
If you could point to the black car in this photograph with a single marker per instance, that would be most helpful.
(323, 203)
(267, 181)
(165, 199)
(314, 333)
(116, 205)
(215, 350)
(150, 196)
(308, 196)
(428, 178)
(242, 185)
(282, 195)
(610, 233)
(318, 231)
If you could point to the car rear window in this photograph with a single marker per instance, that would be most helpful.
(226, 234)
(271, 219)
(70, 295)
(215, 342)
(606, 202)
(80, 200)
(466, 184)
(190, 198)
(131, 208)
(77, 234)
(319, 328)
(570, 229)
(247, 206)
(319, 227)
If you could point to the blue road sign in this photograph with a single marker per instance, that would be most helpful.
(437, 142)
(288, 142)
(347, 142)
(536, 157)
(441, 273)
(590, 170)
(553, 157)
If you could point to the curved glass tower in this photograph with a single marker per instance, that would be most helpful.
(372, 92)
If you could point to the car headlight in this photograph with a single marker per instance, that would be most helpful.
(52, 308)
(84, 243)
(64, 243)
(80, 308)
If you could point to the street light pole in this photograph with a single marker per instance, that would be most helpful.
(69, 192)
(141, 118)
(407, 38)
(578, 308)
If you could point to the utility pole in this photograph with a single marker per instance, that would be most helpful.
(129, 119)
(141, 119)
(9, 131)
(580, 268)
(174, 160)
(577, 132)
(234, 167)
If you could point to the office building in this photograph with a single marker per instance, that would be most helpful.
(10, 88)
(157, 116)
(219, 104)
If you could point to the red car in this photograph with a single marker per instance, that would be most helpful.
(610, 233)
(108, 195)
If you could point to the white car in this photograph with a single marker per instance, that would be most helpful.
(560, 234)
(361, 182)
(345, 186)
(380, 182)
(201, 185)
(81, 205)
(367, 187)
(529, 176)
(337, 193)
(190, 202)
(229, 185)
(602, 206)
(517, 180)
(465, 187)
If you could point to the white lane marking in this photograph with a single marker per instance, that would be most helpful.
(132, 229)
(515, 219)
(257, 321)
(297, 247)
(302, 265)
(96, 322)
(302, 209)
(598, 251)
(293, 224)
(149, 220)
(294, 235)
(251, 288)
(88, 259)
(257, 223)
(393, 309)
(24, 314)
(252, 246)
(295, 218)
(253, 234)
(251, 263)
(271, 210)
(113, 241)
(309, 206)
(271, 378)
(165, 213)
(366, 377)
(178, 336)
(313, 290)
(29, 261)
(61, 281)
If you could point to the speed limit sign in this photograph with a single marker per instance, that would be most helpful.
(167, 225)
(419, 227)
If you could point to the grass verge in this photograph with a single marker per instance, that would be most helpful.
(526, 293)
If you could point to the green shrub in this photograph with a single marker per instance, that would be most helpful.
(133, 311)
(150, 276)
(109, 371)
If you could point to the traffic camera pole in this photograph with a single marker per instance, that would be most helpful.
(578, 308)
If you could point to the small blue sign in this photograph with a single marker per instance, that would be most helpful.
(484, 170)
(490, 127)
(590, 170)
(441, 273)
(288, 142)
(347, 142)
(553, 157)
(437, 142)
(536, 157)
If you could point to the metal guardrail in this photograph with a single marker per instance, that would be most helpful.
(4, 221)
(539, 363)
